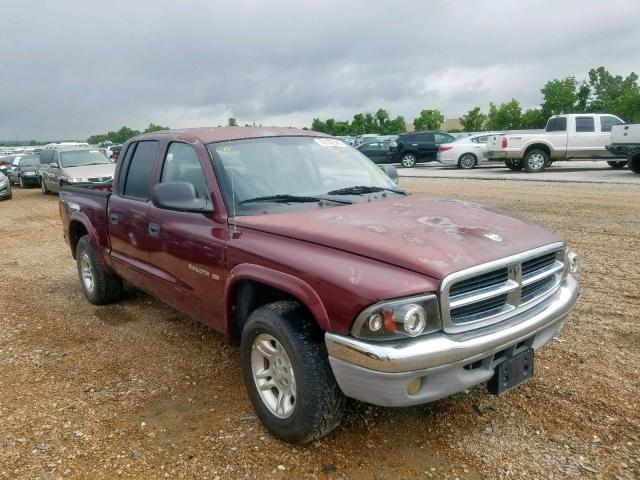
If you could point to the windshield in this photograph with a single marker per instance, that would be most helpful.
(287, 167)
(81, 158)
(29, 161)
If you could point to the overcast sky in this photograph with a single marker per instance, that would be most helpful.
(70, 68)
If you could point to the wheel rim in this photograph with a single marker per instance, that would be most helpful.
(86, 271)
(467, 161)
(536, 161)
(408, 161)
(273, 375)
(42, 187)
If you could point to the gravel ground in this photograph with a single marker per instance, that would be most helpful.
(137, 390)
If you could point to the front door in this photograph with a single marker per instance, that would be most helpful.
(584, 143)
(189, 248)
(127, 215)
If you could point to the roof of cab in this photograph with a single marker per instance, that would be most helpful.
(221, 134)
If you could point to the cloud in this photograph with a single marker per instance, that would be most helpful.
(74, 68)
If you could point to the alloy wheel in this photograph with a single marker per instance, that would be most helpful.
(86, 271)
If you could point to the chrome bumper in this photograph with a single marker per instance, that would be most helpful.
(379, 372)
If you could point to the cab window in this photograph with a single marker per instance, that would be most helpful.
(140, 165)
(585, 124)
(607, 121)
(181, 164)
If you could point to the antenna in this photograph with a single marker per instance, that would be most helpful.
(226, 97)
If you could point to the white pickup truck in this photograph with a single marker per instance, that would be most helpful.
(566, 137)
(625, 142)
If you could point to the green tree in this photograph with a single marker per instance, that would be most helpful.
(428, 120)
(505, 117)
(395, 126)
(473, 121)
(560, 96)
(232, 122)
(533, 118)
(319, 126)
(154, 128)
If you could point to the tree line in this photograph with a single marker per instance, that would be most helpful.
(601, 92)
(122, 135)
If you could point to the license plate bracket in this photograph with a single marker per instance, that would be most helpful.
(512, 372)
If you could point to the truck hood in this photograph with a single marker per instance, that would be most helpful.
(429, 235)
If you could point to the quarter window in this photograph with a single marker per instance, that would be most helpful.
(607, 121)
(139, 170)
(585, 124)
(182, 165)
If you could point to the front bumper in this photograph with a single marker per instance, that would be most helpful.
(5, 191)
(380, 372)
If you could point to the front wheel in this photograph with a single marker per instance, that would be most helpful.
(467, 161)
(21, 182)
(535, 161)
(617, 164)
(408, 160)
(287, 374)
(43, 187)
(634, 164)
(98, 286)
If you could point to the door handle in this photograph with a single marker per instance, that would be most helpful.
(154, 229)
(114, 217)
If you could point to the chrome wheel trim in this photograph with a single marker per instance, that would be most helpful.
(86, 271)
(467, 161)
(273, 375)
(408, 160)
(43, 188)
(536, 161)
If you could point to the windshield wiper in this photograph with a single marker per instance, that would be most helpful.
(362, 189)
(285, 198)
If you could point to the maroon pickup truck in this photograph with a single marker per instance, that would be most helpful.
(334, 282)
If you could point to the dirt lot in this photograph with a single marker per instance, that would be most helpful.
(137, 390)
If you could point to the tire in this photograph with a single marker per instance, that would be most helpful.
(98, 286)
(408, 160)
(535, 161)
(43, 187)
(318, 403)
(513, 164)
(21, 182)
(634, 164)
(617, 164)
(467, 161)
(548, 163)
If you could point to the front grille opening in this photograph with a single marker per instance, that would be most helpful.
(486, 280)
(499, 354)
(534, 289)
(474, 365)
(532, 266)
(485, 308)
(520, 344)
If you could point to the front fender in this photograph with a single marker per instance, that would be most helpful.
(282, 281)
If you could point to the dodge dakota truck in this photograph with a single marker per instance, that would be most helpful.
(625, 142)
(566, 137)
(334, 282)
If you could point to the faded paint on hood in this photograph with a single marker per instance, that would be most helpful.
(87, 171)
(434, 236)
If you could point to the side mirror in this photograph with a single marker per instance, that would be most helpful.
(180, 196)
(53, 165)
(391, 172)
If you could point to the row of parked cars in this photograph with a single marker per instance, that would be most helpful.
(565, 137)
(52, 168)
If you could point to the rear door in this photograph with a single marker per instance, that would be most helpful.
(128, 211)
(189, 247)
(584, 142)
(426, 145)
(604, 124)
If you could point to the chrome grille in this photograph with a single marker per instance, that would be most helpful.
(498, 290)
(99, 179)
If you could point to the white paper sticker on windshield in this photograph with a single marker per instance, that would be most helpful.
(330, 142)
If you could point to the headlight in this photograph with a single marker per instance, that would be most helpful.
(403, 318)
(571, 261)
(79, 180)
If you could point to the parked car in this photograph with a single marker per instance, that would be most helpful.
(465, 152)
(625, 142)
(333, 281)
(412, 148)
(24, 170)
(113, 152)
(73, 166)
(379, 152)
(5, 163)
(566, 137)
(5, 187)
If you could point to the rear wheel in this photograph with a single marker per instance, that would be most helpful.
(287, 374)
(634, 164)
(535, 161)
(513, 164)
(43, 187)
(617, 164)
(98, 286)
(467, 161)
(408, 160)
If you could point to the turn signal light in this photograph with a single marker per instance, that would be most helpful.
(504, 143)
